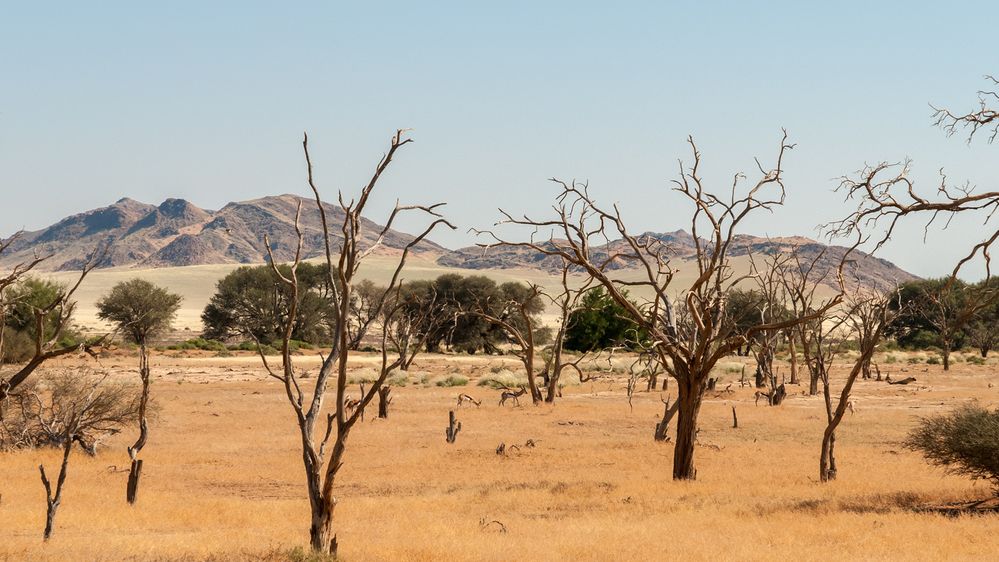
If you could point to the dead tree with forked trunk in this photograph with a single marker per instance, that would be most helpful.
(771, 306)
(517, 317)
(867, 315)
(802, 278)
(76, 409)
(556, 360)
(323, 450)
(580, 234)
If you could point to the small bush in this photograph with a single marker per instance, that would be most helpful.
(933, 360)
(400, 379)
(503, 379)
(198, 343)
(889, 359)
(452, 380)
(964, 441)
(365, 374)
(976, 360)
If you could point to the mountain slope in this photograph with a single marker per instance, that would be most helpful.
(863, 269)
(179, 233)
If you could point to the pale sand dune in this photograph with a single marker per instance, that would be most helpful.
(197, 283)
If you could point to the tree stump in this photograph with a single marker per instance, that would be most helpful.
(384, 401)
(735, 419)
(453, 427)
(133, 481)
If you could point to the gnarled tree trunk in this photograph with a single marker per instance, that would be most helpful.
(689, 399)
(135, 470)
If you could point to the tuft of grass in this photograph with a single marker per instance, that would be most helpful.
(398, 379)
(452, 380)
(364, 374)
(503, 379)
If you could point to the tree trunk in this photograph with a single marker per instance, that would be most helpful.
(383, 401)
(322, 539)
(827, 458)
(946, 355)
(135, 471)
(813, 384)
(691, 392)
(794, 359)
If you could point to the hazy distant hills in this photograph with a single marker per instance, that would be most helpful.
(863, 269)
(178, 233)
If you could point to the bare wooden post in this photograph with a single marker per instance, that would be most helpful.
(384, 401)
(453, 427)
(735, 419)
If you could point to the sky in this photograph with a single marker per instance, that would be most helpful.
(208, 101)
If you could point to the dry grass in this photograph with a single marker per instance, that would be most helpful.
(223, 481)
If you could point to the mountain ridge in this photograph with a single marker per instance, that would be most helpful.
(178, 233)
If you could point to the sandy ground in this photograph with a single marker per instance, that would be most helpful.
(223, 475)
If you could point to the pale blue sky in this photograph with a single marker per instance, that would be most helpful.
(208, 100)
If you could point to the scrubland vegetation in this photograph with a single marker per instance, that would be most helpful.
(728, 416)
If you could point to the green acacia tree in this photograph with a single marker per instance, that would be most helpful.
(139, 310)
(599, 322)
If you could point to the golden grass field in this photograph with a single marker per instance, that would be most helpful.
(223, 475)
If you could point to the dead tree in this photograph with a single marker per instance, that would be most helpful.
(51, 320)
(75, 409)
(517, 317)
(802, 277)
(885, 193)
(566, 302)
(323, 451)
(867, 318)
(416, 315)
(771, 306)
(580, 234)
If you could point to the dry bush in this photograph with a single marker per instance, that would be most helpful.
(964, 441)
(503, 379)
(38, 414)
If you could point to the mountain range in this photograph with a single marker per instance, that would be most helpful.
(178, 233)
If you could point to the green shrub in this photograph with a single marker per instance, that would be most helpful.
(932, 360)
(198, 343)
(889, 359)
(976, 360)
(964, 441)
